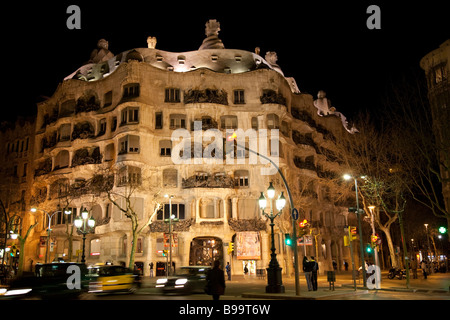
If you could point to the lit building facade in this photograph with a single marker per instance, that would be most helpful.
(129, 111)
(436, 65)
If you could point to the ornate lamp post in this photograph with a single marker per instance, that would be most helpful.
(84, 226)
(49, 229)
(274, 280)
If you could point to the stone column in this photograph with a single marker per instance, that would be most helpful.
(234, 208)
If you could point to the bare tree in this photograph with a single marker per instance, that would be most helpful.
(372, 153)
(424, 149)
(129, 182)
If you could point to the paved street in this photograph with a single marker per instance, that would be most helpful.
(436, 287)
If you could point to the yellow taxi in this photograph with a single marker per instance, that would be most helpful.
(110, 278)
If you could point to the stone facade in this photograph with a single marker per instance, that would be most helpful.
(122, 113)
(436, 65)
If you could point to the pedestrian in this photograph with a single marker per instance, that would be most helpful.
(228, 270)
(151, 269)
(414, 267)
(315, 269)
(245, 269)
(215, 281)
(307, 269)
(423, 265)
(346, 265)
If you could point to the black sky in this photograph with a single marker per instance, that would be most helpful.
(324, 45)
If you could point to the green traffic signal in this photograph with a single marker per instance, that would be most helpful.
(368, 248)
(287, 239)
(442, 230)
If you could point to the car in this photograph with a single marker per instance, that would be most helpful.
(187, 280)
(50, 281)
(111, 278)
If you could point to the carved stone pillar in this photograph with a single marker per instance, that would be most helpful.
(234, 208)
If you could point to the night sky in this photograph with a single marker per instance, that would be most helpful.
(324, 45)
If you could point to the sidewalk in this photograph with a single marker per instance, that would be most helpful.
(344, 286)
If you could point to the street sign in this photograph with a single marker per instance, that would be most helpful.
(295, 214)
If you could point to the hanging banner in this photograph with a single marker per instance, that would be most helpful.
(248, 245)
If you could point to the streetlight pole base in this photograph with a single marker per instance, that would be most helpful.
(274, 282)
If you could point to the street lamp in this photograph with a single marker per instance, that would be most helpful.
(292, 210)
(274, 280)
(84, 226)
(348, 177)
(428, 241)
(49, 230)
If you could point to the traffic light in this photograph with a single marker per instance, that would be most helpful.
(303, 228)
(287, 239)
(352, 233)
(13, 251)
(442, 230)
(369, 248)
(373, 240)
(303, 223)
(164, 253)
(230, 248)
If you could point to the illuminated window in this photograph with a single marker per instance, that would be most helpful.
(172, 95)
(129, 144)
(131, 90)
(177, 121)
(129, 115)
(239, 97)
(165, 147)
(228, 122)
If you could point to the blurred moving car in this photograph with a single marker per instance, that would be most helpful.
(187, 280)
(50, 281)
(110, 278)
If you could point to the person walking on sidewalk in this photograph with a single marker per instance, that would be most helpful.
(307, 269)
(423, 265)
(228, 270)
(215, 280)
(151, 269)
(314, 269)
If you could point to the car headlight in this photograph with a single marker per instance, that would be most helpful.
(160, 283)
(180, 281)
(17, 292)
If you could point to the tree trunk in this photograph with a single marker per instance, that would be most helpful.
(390, 246)
(134, 235)
(133, 250)
(22, 249)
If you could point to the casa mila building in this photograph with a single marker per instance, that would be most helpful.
(157, 123)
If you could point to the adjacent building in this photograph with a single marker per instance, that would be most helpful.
(436, 65)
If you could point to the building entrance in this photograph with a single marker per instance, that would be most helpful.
(204, 250)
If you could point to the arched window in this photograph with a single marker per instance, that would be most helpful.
(62, 160)
(109, 152)
(97, 213)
